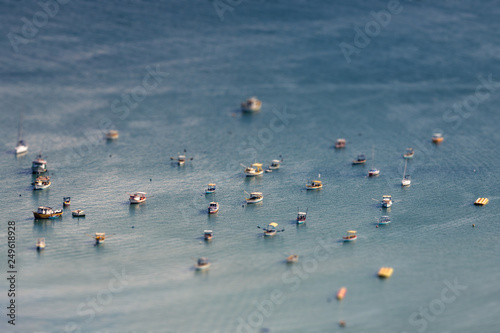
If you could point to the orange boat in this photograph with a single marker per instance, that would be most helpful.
(341, 293)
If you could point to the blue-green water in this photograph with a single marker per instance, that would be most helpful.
(74, 76)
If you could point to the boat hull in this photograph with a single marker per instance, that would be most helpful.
(358, 162)
(38, 169)
(349, 239)
(301, 221)
(406, 156)
(252, 201)
(21, 149)
(373, 173)
(137, 201)
(269, 234)
(308, 187)
(47, 216)
(386, 205)
(405, 183)
(201, 268)
(254, 174)
(41, 187)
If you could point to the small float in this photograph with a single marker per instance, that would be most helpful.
(481, 201)
(341, 293)
(385, 272)
(40, 244)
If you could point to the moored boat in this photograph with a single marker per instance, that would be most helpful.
(41, 183)
(373, 172)
(409, 153)
(47, 213)
(301, 216)
(40, 244)
(361, 159)
(293, 258)
(181, 158)
(386, 201)
(112, 135)
(66, 201)
(270, 230)
(254, 170)
(100, 237)
(39, 165)
(406, 178)
(275, 164)
(384, 220)
(314, 185)
(210, 189)
(21, 147)
(78, 213)
(341, 293)
(137, 198)
(254, 197)
(251, 105)
(208, 234)
(340, 143)
(437, 138)
(213, 207)
(202, 264)
(351, 236)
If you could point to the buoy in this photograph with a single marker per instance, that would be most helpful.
(342, 323)
(376, 226)
(385, 272)
(133, 227)
(150, 179)
(473, 225)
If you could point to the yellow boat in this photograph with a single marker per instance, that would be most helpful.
(481, 201)
(385, 272)
(341, 293)
(314, 185)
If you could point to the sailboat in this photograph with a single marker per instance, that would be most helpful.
(373, 172)
(406, 178)
(21, 147)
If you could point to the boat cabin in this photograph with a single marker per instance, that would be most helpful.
(45, 210)
(208, 234)
(211, 188)
(301, 217)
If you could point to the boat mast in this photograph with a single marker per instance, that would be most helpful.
(373, 157)
(20, 131)
(404, 172)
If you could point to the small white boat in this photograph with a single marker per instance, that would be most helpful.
(40, 244)
(251, 105)
(301, 217)
(41, 183)
(213, 207)
(254, 197)
(112, 135)
(21, 147)
(210, 189)
(275, 164)
(137, 198)
(384, 220)
(409, 153)
(386, 201)
(406, 178)
(208, 235)
(293, 258)
(270, 230)
(340, 143)
(39, 165)
(254, 170)
(181, 159)
(202, 264)
(269, 170)
(78, 213)
(351, 236)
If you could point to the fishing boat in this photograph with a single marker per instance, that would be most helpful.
(275, 164)
(181, 158)
(437, 138)
(66, 201)
(208, 234)
(213, 207)
(40, 244)
(386, 201)
(78, 213)
(112, 135)
(314, 185)
(47, 213)
(340, 143)
(39, 165)
(384, 220)
(254, 170)
(268, 170)
(21, 147)
(251, 105)
(210, 189)
(361, 159)
(351, 236)
(254, 197)
(41, 183)
(137, 198)
(409, 153)
(301, 216)
(270, 230)
(293, 258)
(406, 178)
(373, 172)
(99, 237)
(202, 264)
